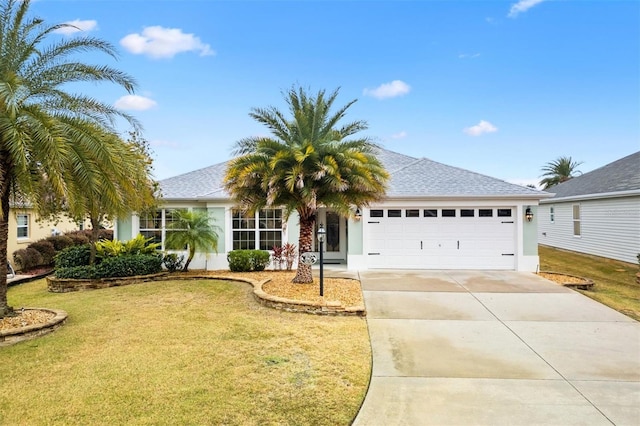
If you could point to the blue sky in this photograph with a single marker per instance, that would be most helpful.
(497, 87)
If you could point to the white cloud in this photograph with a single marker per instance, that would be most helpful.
(399, 135)
(135, 102)
(80, 26)
(388, 90)
(522, 6)
(480, 128)
(159, 42)
(164, 144)
(468, 55)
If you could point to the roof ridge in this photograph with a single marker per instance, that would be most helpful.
(417, 160)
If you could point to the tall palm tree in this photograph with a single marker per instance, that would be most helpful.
(51, 140)
(560, 170)
(308, 163)
(191, 229)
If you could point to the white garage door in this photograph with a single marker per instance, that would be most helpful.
(441, 238)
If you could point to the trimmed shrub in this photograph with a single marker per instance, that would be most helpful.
(128, 266)
(73, 256)
(173, 262)
(115, 267)
(248, 260)
(46, 250)
(239, 260)
(260, 259)
(60, 242)
(77, 272)
(27, 258)
(78, 238)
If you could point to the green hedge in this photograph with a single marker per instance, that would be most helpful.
(73, 256)
(248, 260)
(115, 267)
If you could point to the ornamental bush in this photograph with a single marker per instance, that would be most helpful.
(73, 256)
(128, 266)
(27, 258)
(173, 262)
(46, 250)
(248, 260)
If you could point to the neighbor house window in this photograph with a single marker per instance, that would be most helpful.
(262, 230)
(552, 214)
(23, 225)
(576, 220)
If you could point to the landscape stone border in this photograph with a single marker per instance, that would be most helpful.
(335, 308)
(586, 283)
(10, 337)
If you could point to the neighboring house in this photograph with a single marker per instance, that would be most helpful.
(25, 228)
(596, 213)
(434, 216)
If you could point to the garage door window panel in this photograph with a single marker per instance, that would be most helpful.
(485, 212)
(448, 213)
(394, 213)
(467, 213)
(430, 213)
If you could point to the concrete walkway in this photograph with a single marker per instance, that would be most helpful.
(495, 348)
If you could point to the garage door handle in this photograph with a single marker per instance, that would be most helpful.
(420, 245)
(508, 254)
(373, 222)
(507, 222)
(373, 254)
(458, 244)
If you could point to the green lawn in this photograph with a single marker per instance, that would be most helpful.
(182, 352)
(615, 284)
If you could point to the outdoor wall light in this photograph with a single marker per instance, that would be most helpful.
(528, 214)
(357, 215)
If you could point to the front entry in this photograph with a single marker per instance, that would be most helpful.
(335, 246)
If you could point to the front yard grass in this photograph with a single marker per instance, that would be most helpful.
(182, 352)
(615, 284)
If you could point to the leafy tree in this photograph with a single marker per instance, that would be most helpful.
(52, 141)
(191, 229)
(308, 163)
(560, 170)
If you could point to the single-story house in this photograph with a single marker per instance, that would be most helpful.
(596, 213)
(434, 216)
(26, 227)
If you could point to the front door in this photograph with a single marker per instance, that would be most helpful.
(335, 246)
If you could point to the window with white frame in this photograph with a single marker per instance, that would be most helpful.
(157, 224)
(260, 231)
(23, 225)
(552, 214)
(576, 220)
(151, 226)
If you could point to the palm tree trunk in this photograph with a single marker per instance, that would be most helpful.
(5, 186)
(95, 231)
(305, 244)
(192, 252)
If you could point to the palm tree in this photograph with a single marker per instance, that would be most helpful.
(558, 171)
(191, 229)
(51, 140)
(308, 163)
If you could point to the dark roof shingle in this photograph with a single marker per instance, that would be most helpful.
(620, 176)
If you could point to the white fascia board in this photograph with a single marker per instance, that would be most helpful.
(599, 196)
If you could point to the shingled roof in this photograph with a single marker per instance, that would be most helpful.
(614, 179)
(410, 178)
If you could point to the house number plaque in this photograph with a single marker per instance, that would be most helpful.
(308, 258)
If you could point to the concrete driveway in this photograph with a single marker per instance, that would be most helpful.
(495, 348)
